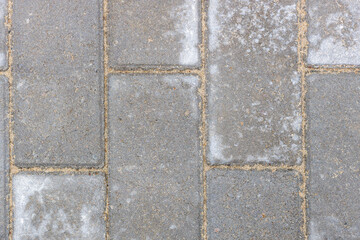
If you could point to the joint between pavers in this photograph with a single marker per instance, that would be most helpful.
(302, 68)
(257, 167)
(333, 70)
(203, 126)
(65, 170)
(156, 71)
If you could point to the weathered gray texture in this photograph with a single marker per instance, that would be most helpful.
(333, 32)
(4, 158)
(155, 160)
(59, 207)
(253, 205)
(151, 34)
(254, 89)
(3, 35)
(333, 146)
(58, 83)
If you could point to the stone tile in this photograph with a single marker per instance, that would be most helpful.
(58, 83)
(59, 207)
(165, 33)
(253, 205)
(333, 146)
(4, 159)
(155, 158)
(254, 89)
(333, 31)
(3, 35)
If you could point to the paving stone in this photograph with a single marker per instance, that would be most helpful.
(4, 166)
(58, 83)
(254, 89)
(154, 157)
(3, 36)
(164, 33)
(59, 207)
(333, 31)
(334, 165)
(253, 205)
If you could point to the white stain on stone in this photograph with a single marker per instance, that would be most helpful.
(257, 26)
(270, 154)
(186, 19)
(2, 59)
(295, 78)
(216, 146)
(214, 26)
(313, 232)
(38, 214)
(25, 187)
(334, 38)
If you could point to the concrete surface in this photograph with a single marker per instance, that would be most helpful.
(254, 88)
(59, 207)
(155, 160)
(254, 205)
(161, 33)
(333, 145)
(179, 119)
(58, 83)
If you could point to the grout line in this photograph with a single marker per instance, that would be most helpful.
(106, 138)
(308, 69)
(256, 167)
(203, 127)
(302, 68)
(12, 167)
(334, 70)
(156, 71)
(65, 170)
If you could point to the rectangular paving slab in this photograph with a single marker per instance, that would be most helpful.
(59, 206)
(253, 205)
(334, 165)
(3, 35)
(333, 31)
(154, 157)
(163, 33)
(58, 83)
(4, 157)
(254, 89)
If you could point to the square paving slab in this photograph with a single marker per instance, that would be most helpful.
(154, 160)
(253, 205)
(333, 32)
(58, 83)
(59, 207)
(254, 89)
(334, 165)
(162, 33)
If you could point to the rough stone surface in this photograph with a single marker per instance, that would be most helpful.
(59, 207)
(253, 205)
(161, 33)
(58, 83)
(333, 32)
(334, 165)
(254, 89)
(4, 159)
(3, 35)
(155, 160)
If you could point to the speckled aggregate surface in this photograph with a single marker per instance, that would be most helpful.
(179, 119)
(254, 87)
